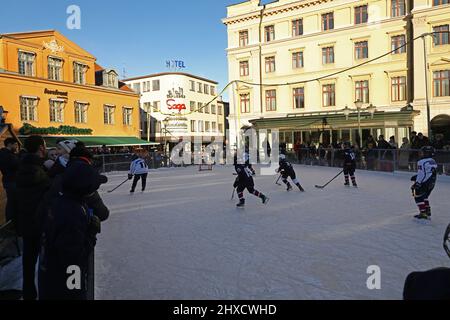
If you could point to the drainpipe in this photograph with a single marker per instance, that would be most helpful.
(410, 51)
(260, 59)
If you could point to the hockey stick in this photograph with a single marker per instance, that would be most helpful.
(232, 196)
(278, 180)
(118, 186)
(322, 187)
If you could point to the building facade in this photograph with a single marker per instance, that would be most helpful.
(175, 94)
(50, 85)
(316, 58)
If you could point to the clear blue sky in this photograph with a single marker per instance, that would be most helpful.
(136, 35)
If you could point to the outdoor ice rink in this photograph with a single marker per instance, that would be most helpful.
(185, 239)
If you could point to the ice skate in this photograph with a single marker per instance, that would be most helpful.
(300, 188)
(241, 203)
(264, 199)
(289, 188)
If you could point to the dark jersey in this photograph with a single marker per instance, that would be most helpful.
(349, 158)
(285, 166)
(244, 170)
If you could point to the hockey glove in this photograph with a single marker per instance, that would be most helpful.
(414, 178)
(130, 176)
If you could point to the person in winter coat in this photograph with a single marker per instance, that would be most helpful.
(32, 183)
(69, 235)
(63, 149)
(9, 164)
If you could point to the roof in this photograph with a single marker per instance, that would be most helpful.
(170, 73)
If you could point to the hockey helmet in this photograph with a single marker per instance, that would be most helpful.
(428, 152)
(282, 157)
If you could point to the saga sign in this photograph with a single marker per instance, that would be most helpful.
(173, 106)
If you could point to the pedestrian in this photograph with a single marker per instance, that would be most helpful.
(404, 154)
(9, 164)
(31, 185)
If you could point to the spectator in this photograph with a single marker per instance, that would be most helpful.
(69, 237)
(32, 183)
(371, 140)
(392, 143)
(421, 141)
(63, 149)
(403, 158)
(9, 164)
(298, 150)
(413, 138)
(382, 143)
(439, 142)
(52, 156)
(371, 156)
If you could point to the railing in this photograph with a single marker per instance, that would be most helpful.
(387, 160)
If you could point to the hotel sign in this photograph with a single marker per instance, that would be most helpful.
(56, 93)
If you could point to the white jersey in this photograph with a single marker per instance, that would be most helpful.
(138, 166)
(426, 170)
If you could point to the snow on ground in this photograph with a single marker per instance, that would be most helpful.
(185, 239)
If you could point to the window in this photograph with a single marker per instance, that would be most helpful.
(57, 111)
(397, 42)
(361, 50)
(297, 60)
(441, 83)
(81, 112)
(328, 95)
(398, 8)
(192, 106)
(441, 38)
(220, 128)
(398, 89)
(299, 98)
(327, 55)
(200, 126)
(213, 90)
(362, 91)
(192, 85)
(55, 69)
(200, 107)
(219, 110)
(297, 27)
(269, 33)
(213, 126)
(213, 109)
(156, 85)
(440, 2)
(193, 126)
(327, 21)
(147, 107)
(270, 64)
(243, 68)
(271, 100)
(156, 106)
(245, 103)
(207, 126)
(79, 73)
(108, 114)
(147, 86)
(207, 108)
(243, 38)
(28, 109)
(199, 87)
(111, 80)
(26, 63)
(137, 87)
(361, 15)
(127, 116)
(206, 89)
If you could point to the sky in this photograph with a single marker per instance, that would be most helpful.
(136, 36)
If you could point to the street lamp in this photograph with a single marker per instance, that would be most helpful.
(359, 108)
(165, 122)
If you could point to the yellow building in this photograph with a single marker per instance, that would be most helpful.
(50, 85)
(315, 58)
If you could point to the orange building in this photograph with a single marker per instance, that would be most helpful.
(51, 86)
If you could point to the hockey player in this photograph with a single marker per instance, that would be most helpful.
(424, 181)
(244, 181)
(286, 170)
(349, 165)
(138, 170)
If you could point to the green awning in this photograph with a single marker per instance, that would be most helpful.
(100, 141)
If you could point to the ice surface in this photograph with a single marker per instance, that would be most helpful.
(185, 239)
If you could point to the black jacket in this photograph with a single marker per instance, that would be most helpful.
(32, 182)
(9, 164)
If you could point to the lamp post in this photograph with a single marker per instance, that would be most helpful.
(359, 108)
(147, 110)
(166, 122)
